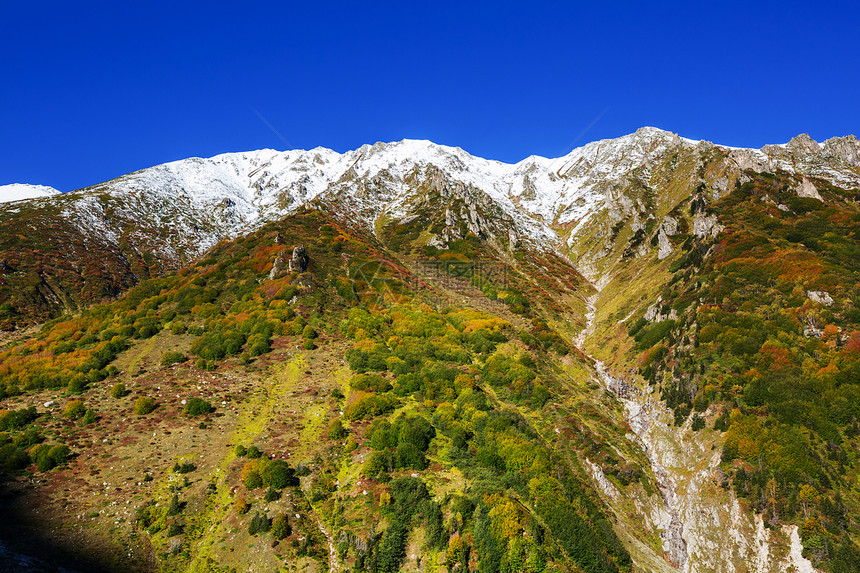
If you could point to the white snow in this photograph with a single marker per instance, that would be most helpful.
(200, 201)
(23, 191)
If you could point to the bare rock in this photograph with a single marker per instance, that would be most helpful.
(803, 144)
(299, 261)
(706, 225)
(847, 148)
(664, 245)
(747, 159)
(807, 189)
(277, 266)
(820, 296)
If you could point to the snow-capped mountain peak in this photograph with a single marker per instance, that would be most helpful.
(197, 201)
(23, 191)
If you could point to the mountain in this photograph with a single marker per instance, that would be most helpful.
(20, 192)
(641, 356)
(160, 218)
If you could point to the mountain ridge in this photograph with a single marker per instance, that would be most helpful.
(168, 215)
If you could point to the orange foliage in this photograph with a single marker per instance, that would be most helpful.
(773, 357)
(852, 347)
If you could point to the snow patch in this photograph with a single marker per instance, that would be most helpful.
(23, 192)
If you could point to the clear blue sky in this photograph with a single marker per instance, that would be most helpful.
(90, 91)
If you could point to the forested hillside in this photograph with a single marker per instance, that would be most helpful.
(760, 330)
(351, 413)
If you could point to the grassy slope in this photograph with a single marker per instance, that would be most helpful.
(283, 401)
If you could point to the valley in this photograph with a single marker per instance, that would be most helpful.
(622, 360)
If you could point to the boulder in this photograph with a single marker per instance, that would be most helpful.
(299, 261)
(807, 189)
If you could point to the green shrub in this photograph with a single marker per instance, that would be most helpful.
(241, 451)
(74, 410)
(254, 452)
(309, 332)
(175, 506)
(47, 457)
(13, 458)
(184, 468)
(278, 474)
(259, 524)
(371, 406)
(253, 480)
(197, 406)
(78, 384)
(272, 494)
(144, 405)
(174, 529)
(172, 357)
(336, 431)
(118, 390)
(369, 383)
(89, 417)
(14, 419)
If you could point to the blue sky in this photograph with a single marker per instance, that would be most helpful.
(90, 91)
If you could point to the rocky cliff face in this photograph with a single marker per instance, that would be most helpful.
(703, 526)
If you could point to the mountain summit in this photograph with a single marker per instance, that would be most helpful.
(166, 216)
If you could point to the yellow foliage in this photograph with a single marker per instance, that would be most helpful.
(252, 466)
(491, 324)
(364, 343)
(506, 520)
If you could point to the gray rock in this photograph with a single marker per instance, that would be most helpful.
(706, 225)
(299, 261)
(847, 148)
(664, 245)
(820, 296)
(747, 159)
(807, 189)
(277, 266)
(803, 144)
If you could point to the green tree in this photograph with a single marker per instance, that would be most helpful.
(197, 406)
(281, 526)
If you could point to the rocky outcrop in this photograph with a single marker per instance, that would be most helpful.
(668, 228)
(747, 159)
(807, 189)
(820, 296)
(277, 266)
(803, 144)
(299, 261)
(702, 526)
(706, 226)
(846, 148)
